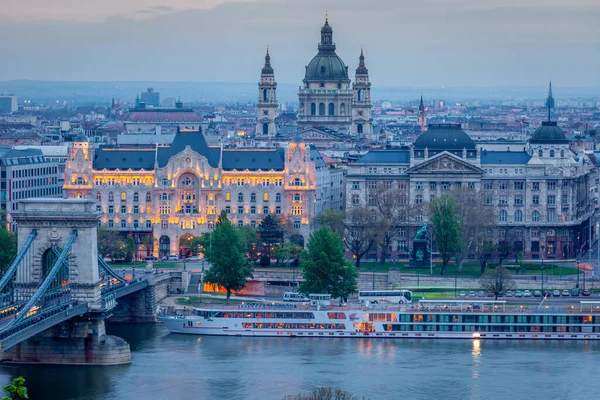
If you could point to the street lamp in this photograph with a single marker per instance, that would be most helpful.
(543, 266)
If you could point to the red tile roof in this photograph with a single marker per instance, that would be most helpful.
(161, 117)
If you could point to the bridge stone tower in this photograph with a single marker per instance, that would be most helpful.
(82, 339)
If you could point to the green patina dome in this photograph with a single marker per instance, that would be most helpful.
(326, 65)
(549, 132)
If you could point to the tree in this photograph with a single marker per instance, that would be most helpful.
(324, 393)
(393, 211)
(250, 236)
(113, 246)
(225, 250)
(497, 281)
(196, 245)
(475, 219)
(334, 220)
(8, 248)
(287, 252)
(270, 232)
(445, 220)
(16, 390)
(324, 268)
(360, 232)
(505, 249)
(484, 254)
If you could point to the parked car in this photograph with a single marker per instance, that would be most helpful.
(556, 293)
(575, 292)
(537, 293)
(566, 293)
(471, 294)
(480, 294)
(150, 258)
(170, 257)
(585, 293)
(547, 293)
(519, 294)
(462, 293)
(193, 259)
(509, 294)
(526, 293)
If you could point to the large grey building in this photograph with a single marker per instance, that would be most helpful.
(25, 174)
(151, 98)
(8, 104)
(542, 197)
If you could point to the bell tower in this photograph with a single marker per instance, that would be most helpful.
(267, 102)
(362, 123)
(422, 118)
(79, 169)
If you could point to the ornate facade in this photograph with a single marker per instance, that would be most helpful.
(173, 193)
(542, 197)
(267, 102)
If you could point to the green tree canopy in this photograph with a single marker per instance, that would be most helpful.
(270, 232)
(334, 220)
(225, 249)
(324, 268)
(112, 245)
(8, 248)
(16, 390)
(447, 228)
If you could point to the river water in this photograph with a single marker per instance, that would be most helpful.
(173, 367)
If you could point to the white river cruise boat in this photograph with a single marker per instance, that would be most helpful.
(450, 319)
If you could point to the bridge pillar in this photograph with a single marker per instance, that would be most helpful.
(80, 340)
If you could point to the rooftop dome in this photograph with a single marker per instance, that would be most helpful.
(326, 65)
(444, 137)
(81, 137)
(549, 133)
(267, 69)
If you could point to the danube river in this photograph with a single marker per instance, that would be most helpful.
(177, 367)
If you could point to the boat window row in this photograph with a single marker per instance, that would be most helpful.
(487, 328)
(382, 317)
(334, 315)
(281, 325)
(496, 319)
(264, 314)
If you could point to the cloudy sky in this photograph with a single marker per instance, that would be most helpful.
(420, 43)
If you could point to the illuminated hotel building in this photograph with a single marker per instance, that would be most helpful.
(174, 193)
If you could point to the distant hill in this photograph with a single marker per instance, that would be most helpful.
(101, 93)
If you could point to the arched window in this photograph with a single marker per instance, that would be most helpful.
(123, 196)
(359, 128)
(359, 95)
(562, 154)
(518, 216)
(278, 197)
(503, 216)
(228, 196)
(540, 153)
(164, 197)
(535, 216)
(265, 196)
(98, 196)
(321, 108)
(297, 197)
(240, 197)
(265, 129)
(552, 153)
(323, 70)
(111, 196)
(331, 109)
(297, 182)
(136, 196)
(343, 109)
(252, 197)
(266, 95)
(313, 109)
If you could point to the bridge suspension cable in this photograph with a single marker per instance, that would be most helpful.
(48, 280)
(17, 261)
(109, 270)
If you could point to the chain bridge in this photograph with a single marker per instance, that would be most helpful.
(58, 292)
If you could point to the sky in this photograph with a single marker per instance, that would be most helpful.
(414, 43)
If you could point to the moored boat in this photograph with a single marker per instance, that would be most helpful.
(429, 319)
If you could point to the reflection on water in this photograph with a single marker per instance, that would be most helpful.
(176, 367)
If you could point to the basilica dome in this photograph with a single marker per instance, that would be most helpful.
(326, 65)
(446, 137)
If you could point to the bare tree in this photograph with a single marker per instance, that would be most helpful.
(393, 212)
(484, 254)
(475, 219)
(360, 232)
(505, 249)
(331, 219)
(497, 282)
